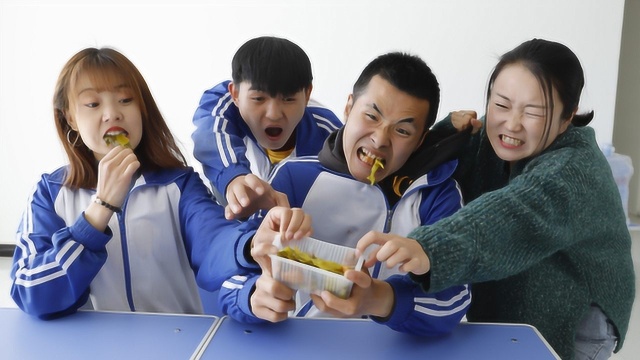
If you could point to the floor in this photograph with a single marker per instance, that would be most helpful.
(630, 350)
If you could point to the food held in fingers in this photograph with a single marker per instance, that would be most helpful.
(116, 138)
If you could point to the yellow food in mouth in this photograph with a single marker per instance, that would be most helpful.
(117, 139)
(377, 164)
(302, 257)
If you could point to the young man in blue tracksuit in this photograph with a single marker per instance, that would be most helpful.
(394, 102)
(263, 116)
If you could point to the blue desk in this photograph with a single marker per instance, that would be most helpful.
(103, 335)
(364, 339)
(124, 335)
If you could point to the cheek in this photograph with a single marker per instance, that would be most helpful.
(349, 141)
(250, 115)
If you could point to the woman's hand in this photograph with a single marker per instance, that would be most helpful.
(115, 173)
(394, 250)
(464, 118)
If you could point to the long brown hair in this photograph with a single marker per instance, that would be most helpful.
(106, 67)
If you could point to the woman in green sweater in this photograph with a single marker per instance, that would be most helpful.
(543, 237)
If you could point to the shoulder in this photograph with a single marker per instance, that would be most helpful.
(217, 98)
(54, 181)
(322, 116)
(168, 176)
(442, 172)
(219, 89)
(301, 164)
(576, 148)
(58, 176)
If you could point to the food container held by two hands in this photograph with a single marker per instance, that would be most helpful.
(306, 275)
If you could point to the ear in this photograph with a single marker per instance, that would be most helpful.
(424, 136)
(307, 93)
(348, 107)
(70, 121)
(564, 125)
(234, 91)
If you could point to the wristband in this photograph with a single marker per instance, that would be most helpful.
(99, 201)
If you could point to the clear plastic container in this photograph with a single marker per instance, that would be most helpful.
(622, 169)
(308, 278)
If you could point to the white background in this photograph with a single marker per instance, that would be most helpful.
(184, 47)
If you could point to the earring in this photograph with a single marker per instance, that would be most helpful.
(73, 144)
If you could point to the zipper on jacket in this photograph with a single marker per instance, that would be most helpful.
(125, 258)
(387, 226)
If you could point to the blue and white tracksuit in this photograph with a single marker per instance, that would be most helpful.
(343, 210)
(227, 148)
(169, 233)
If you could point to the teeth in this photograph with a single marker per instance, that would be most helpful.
(511, 141)
(366, 156)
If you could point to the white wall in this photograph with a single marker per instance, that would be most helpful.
(184, 47)
(627, 127)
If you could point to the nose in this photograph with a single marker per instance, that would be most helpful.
(380, 136)
(111, 113)
(273, 109)
(514, 121)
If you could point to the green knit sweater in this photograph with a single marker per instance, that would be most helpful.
(539, 242)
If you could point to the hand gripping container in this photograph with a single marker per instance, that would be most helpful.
(308, 278)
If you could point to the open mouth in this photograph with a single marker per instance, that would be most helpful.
(116, 137)
(369, 158)
(510, 141)
(273, 131)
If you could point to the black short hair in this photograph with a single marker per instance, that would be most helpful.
(271, 64)
(409, 73)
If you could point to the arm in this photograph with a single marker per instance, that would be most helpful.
(214, 245)
(402, 304)
(560, 198)
(458, 121)
(53, 263)
(219, 138)
(252, 295)
(503, 232)
(426, 314)
(415, 310)
(248, 194)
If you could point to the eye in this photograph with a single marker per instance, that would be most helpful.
(534, 115)
(501, 106)
(289, 99)
(404, 130)
(126, 100)
(371, 116)
(257, 98)
(92, 105)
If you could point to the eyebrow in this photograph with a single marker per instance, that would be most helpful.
(527, 105)
(117, 87)
(406, 120)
